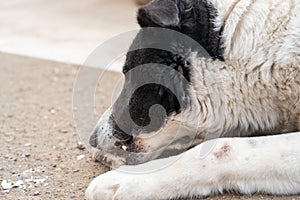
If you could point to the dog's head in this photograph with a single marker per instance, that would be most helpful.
(146, 119)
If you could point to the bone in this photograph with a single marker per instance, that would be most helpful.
(124, 147)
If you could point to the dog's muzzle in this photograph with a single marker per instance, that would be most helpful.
(107, 136)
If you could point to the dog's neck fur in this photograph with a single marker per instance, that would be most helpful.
(255, 90)
(223, 105)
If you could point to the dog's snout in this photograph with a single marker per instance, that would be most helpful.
(93, 139)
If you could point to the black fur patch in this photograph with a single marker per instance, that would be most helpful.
(196, 19)
(144, 97)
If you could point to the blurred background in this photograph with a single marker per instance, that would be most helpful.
(65, 30)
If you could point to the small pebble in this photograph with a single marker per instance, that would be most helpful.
(27, 155)
(6, 185)
(80, 157)
(63, 130)
(6, 156)
(18, 183)
(52, 111)
(36, 193)
(80, 146)
(27, 145)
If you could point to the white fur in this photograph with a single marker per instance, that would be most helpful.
(260, 164)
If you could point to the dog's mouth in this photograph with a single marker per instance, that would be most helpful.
(123, 152)
(127, 145)
(123, 141)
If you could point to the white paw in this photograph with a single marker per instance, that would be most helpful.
(119, 186)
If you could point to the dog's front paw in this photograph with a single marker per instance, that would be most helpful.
(118, 186)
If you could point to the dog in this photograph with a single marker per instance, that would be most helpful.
(227, 120)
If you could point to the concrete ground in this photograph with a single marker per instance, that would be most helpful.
(64, 30)
(39, 150)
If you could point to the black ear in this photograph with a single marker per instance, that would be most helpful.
(160, 13)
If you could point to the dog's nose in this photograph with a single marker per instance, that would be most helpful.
(93, 139)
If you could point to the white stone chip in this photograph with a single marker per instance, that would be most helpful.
(80, 157)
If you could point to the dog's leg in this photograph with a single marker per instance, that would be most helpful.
(247, 165)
